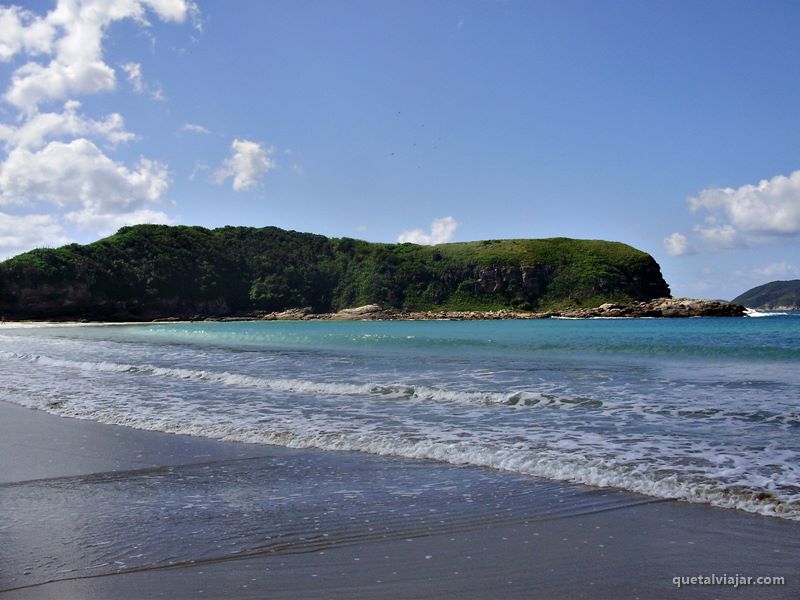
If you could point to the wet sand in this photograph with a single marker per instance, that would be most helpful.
(97, 511)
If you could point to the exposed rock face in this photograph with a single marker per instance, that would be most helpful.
(660, 307)
(531, 280)
(293, 314)
(360, 312)
(528, 282)
(535, 279)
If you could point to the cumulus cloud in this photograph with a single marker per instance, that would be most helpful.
(40, 128)
(755, 213)
(21, 233)
(720, 237)
(194, 128)
(767, 212)
(22, 31)
(441, 232)
(52, 156)
(248, 163)
(72, 34)
(33, 83)
(77, 174)
(677, 244)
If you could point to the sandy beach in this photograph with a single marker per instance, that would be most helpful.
(76, 494)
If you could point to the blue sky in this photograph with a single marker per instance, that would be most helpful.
(671, 126)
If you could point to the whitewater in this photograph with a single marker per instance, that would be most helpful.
(705, 410)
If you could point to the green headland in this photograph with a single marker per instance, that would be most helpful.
(772, 295)
(155, 271)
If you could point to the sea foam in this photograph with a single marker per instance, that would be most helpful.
(718, 430)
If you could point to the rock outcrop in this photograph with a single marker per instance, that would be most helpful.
(658, 308)
(369, 311)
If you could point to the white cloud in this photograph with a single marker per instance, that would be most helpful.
(754, 214)
(21, 233)
(194, 128)
(32, 83)
(52, 157)
(173, 10)
(247, 164)
(199, 166)
(195, 16)
(721, 238)
(21, 30)
(777, 270)
(441, 232)
(40, 128)
(78, 173)
(677, 244)
(133, 71)
(72, 34)
(764, 212)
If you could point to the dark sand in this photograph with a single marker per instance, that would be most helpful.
(97, 511)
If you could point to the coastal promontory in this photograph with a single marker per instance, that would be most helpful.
(775, 295)
(158, 271)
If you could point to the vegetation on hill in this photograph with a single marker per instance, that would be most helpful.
(149, 271)
(775, 294)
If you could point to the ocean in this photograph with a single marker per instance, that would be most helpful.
(706, 410)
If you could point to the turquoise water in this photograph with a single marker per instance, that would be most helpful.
(706, 410)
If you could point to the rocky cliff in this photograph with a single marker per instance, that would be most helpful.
(157, 271)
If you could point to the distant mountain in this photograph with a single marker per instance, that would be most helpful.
(775, 294)
(153, 271)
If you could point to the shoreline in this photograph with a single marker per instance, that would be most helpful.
(371, 534)
(658, 308)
